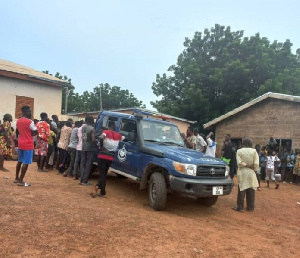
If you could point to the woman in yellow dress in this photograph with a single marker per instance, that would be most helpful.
(5, 134)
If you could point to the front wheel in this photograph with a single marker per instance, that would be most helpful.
(207, 201)
(157, 191)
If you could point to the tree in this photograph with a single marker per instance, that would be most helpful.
(220, 70)
(113, 97)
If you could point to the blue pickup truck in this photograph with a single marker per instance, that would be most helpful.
(154, 153)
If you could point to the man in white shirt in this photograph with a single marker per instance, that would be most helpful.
(211, 146)
(200, 142)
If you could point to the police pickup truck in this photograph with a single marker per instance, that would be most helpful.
(154, 154)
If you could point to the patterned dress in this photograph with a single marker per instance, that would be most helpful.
(42, 139)
(296, 170)
(4, 150)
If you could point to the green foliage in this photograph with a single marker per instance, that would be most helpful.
(220, 70)
(113, 97)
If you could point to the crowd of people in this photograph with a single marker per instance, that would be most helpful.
(252, 165)
(276, 163)
(68, 147)
(269, 163)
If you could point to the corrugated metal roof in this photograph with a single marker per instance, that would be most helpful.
(31, 73)
(251, 103)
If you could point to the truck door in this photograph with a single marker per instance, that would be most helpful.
(128, 153)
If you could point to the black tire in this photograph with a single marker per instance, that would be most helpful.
(157, 191)
(207, 201)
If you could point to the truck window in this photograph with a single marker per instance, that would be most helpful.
(106, 120)
(159, 132)
(127, 126)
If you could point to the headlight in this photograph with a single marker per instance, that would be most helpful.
(188, 169)
(227, 170)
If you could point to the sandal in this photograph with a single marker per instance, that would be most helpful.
(237, 209)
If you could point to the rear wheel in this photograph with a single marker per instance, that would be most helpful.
(157, 191)
(207, 201)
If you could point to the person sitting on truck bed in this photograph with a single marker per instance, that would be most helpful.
(106, 155)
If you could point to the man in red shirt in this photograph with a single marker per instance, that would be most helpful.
(43, 129)
(106, 155)
(26, 128)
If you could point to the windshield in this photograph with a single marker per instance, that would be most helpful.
(158, 132)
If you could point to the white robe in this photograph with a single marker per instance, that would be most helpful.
(246, 157)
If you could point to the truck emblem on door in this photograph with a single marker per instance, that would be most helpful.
(122, 154)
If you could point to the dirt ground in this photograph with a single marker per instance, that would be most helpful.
(56, 217)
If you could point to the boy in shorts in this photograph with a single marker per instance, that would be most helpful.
(272, 161)
(26, 129)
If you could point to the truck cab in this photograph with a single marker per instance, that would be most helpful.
(154, 154)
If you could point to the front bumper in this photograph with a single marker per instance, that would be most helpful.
(200, 187)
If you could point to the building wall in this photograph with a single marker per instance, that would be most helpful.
(46, 98)
(271, 117)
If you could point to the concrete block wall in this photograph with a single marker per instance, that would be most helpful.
(271, 117)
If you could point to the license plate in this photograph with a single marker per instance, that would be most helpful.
(217, 190)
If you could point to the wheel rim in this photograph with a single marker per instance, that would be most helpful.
(153, 191)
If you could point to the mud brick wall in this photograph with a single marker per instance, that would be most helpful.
(271, 117)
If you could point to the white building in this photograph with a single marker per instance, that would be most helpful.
(21, 85)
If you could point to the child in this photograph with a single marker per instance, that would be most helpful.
(289, 171)
(272, 161)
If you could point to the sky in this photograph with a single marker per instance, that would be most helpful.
(126, 43)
